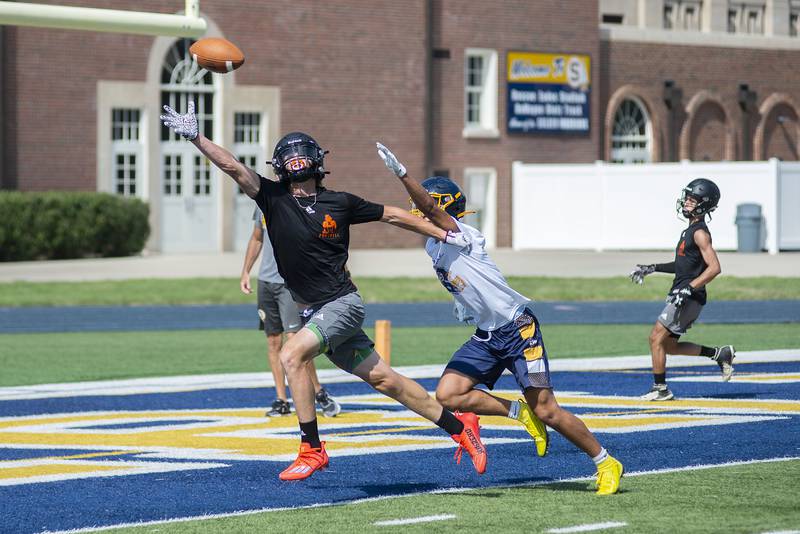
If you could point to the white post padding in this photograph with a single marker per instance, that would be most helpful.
(606, 206)
(104, 20)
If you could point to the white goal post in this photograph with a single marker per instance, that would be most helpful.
(105, 20)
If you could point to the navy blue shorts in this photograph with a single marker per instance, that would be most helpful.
(516, 346)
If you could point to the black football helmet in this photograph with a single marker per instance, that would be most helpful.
(447, 194)
(702, 190)
(298, 157)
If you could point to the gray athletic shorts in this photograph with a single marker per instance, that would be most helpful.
(679, 320)
(337, 325)
(277, 312)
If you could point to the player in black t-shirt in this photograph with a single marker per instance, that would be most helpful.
(695, 266)
(309, 228)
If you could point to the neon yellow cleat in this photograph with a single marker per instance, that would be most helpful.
(609, 473)
(535, 428)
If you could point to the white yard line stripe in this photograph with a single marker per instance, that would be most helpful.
(261, 380)
(415, 494)
(425, 519)
(588, 528)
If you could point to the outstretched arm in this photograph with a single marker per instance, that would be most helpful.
(246, 177)
(637, 275)
(186, 126)
(422, 200)
(403, 219)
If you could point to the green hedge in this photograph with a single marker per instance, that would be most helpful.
(57, 225)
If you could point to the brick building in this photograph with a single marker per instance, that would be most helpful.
(669, 80)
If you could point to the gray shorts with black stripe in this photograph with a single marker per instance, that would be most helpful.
(337, 324)
(679, 320)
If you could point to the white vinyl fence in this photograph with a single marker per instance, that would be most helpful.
(606, 206)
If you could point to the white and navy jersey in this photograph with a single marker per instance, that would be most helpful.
(475, 281)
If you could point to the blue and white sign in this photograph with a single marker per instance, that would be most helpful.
(548, 93)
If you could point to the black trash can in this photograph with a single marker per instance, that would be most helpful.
(748, 225)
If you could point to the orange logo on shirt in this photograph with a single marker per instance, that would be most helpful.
(681, 247)
(329, 228)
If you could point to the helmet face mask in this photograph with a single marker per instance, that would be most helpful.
(705, 194)
(447, 194)
(297, 158)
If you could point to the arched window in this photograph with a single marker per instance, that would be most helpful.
(188, 187)
(632, 136)
(180, 82)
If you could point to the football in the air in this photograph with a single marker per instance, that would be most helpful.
(217, 54)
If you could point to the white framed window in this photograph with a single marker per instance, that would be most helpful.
(480, 93)
(794, 22)
(173, 181)
(683, 15)
(202, 176)
(745, 18)
(631, 137)
(126, 150)
(247, 146)
(480, 188)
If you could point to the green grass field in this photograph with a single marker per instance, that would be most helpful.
(721, 499)
(69, 357)
(754, 498)
(226, 290)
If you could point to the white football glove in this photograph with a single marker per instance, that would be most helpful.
(391, 161)
(637, 275)
(678, 297)
(184, 125)
(457, 239)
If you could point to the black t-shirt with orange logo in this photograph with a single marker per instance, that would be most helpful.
(689, 262)
(311, 236)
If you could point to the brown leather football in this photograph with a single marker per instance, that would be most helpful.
(217, 54)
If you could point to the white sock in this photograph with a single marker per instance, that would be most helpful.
(513, 412)
(600, 457)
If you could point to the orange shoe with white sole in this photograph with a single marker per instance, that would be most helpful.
(308, 461)
(470, 439)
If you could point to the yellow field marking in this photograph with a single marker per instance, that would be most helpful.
(734, 404)
(262, 438)
(52, 469)
(627, 412)
(245, 433)
(767, 377)
(77, 456)
(620, 422)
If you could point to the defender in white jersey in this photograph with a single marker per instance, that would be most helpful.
(508, 335)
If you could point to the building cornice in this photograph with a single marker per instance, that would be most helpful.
(616, 33)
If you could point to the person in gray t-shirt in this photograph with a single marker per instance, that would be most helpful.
(278, 315)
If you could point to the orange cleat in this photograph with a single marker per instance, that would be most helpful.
(308, 461)
(470, 439)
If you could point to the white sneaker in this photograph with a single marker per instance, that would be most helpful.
(327, 404)
(659, 392)
(724, 357)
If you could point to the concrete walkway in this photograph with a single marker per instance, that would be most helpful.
(388, 263)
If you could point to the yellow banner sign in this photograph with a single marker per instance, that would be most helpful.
(565, 69)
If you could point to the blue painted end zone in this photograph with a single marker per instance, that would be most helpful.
(253, 485)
